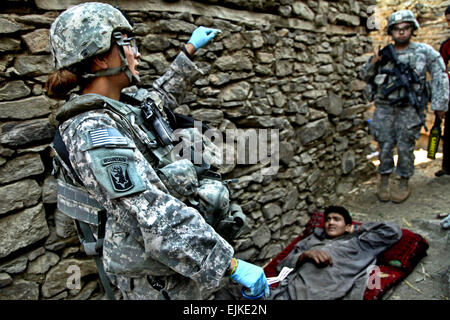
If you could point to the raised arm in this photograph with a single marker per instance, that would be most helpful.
(378, 236)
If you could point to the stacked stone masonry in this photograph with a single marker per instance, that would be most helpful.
(285, 65)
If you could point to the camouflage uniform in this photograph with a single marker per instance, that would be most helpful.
(400, 125)
(158, 219)
(150, 234)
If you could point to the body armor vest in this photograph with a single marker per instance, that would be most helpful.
(197, 186)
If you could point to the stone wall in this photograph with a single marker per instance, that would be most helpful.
(285, 65)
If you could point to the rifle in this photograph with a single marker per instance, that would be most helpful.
(405, 76)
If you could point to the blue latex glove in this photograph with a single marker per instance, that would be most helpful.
(252, 277)
(201, 36)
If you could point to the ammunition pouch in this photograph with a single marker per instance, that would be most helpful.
(78, 204)
(180, 178)
(209, 196)
(213, 201)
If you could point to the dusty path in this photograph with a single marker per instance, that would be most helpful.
(430, 195)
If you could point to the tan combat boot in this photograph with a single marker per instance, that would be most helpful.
(383, 188)
(402, 191)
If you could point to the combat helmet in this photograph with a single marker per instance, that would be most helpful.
(402, 16)
(84, 31)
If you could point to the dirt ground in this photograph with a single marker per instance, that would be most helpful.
(430, 196)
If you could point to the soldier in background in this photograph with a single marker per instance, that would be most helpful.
(155, 245)
(445, 53)
(395, 121)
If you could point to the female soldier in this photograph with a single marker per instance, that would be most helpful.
(155, 246)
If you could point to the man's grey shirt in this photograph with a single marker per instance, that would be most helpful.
(352, 254)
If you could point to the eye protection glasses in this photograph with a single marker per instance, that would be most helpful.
(128, 41)
(398, 29)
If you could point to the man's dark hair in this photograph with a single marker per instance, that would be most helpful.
(447, 11)
(339, 210)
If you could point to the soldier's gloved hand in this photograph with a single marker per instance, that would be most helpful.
(252, 277)
(201, 36)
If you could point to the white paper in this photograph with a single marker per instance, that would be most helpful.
(281, 276)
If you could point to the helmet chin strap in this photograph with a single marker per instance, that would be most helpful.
(132, 78)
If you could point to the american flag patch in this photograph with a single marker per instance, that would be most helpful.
(106, 136)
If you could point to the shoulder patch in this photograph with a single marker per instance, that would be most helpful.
(107, 136)
(116, 170)
(118, 173)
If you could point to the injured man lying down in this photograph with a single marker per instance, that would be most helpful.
(333, 262)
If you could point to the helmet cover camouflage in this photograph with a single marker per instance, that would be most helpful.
(402, 16)
(84, 31)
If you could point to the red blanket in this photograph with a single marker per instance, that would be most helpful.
(395, 263)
